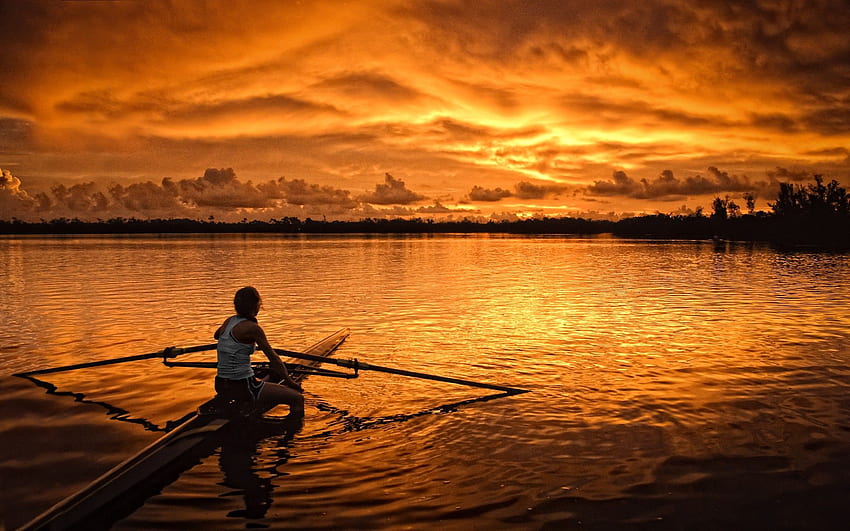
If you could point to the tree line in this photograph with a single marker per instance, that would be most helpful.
(816, 214)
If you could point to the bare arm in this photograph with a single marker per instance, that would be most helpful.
(274, 360)
(220, 329)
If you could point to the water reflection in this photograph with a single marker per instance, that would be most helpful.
(114, 412)
(347, 422)
(238, 462)
(664, 375)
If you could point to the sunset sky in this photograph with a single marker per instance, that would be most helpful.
(416, 108)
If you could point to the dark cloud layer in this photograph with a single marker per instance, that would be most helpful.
(370, 86)
(219, 188)
(219, 191)
(148, 197)
(527, 190)
(766, 39)
(299, 192)
(479, 193)
(668, 187)
(392, 192)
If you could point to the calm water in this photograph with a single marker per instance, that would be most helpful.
(675, 385)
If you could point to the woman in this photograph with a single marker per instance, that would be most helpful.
(237, 338)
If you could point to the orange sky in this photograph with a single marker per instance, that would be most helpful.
(355, 109)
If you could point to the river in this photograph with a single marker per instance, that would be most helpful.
(674, 385)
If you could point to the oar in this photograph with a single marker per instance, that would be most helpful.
(173, 352)
(170, 352)
(359, 365)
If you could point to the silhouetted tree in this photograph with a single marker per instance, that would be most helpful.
(814, 199)
(718, 208)
(751, 202)
(732, 208)
(815, 214)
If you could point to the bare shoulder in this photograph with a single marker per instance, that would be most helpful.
(248, 331)
(248, 325)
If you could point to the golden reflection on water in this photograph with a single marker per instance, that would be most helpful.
(637, 353)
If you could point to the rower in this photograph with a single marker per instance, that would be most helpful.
(238, 337)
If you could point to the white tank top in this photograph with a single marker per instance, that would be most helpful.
(234, 358)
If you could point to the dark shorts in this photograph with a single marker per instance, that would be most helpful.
(244, 390)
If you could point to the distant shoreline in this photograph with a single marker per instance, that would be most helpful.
(833, 233)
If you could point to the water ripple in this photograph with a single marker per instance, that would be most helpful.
(668, 379)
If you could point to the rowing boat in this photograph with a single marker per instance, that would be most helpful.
(120, 489)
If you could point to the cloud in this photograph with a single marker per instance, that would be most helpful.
(398, 211)
(266, 113)
(14, 134)
(299, 192)
(369, 86)
(83, 197)
(148, 197)
(439, 208)
(392, 192)
(446, 129)
(604, 109)
(785, 175)
(527, 190)
(668, 187)
(479, 193)
(219, 192)
(840, 152)
(220, 188)
(11, 185)
(620, 184)
(758, 39)
(14, 201)
(778, 121)
(832, 120)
